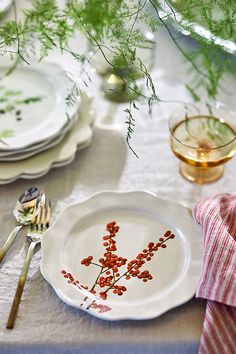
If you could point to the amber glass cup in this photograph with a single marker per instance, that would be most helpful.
(203, 137)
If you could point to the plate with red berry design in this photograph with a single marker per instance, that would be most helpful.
(124, 255)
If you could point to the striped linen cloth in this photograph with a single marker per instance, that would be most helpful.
(217, 217)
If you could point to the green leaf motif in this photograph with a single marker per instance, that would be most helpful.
(4, 134)
(9, 108)
(29, 100)
(8, 97)
(12, 93)
(7, 133)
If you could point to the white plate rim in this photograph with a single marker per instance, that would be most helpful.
(196, 264)
(54, 72)
(56, 164)
(46, 145)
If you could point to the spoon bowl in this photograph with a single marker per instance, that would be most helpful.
(24, 207)
(23, 212)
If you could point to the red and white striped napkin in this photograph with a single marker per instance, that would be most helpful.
(217, 217)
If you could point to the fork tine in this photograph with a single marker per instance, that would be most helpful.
(41, 216)
(38, 218)
(48, 213)
(32, 222)
(42, 219)
(34, 213)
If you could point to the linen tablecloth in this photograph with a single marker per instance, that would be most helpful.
(45, 324)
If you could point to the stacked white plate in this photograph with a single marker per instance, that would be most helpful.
(39, 129)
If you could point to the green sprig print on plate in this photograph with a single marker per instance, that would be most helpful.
(4, 134)
(10, 102)
(29, 100)
(12, 93)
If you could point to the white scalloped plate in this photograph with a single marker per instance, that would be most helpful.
(38, 148)
(34, 101)
(36, 166)
(143, 218)
(56, 164)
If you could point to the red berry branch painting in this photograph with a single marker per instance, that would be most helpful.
(113, 268)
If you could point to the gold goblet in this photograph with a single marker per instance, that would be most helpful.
(203, 138)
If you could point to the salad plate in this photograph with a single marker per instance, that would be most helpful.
(127, 255)
(77, 138)
(40, 147)
(33, 104)
(42, 172)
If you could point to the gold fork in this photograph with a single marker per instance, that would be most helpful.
(39, 224)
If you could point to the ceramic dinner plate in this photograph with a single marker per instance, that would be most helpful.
(33, 104)
(172, 265)
(58, 156)
(36, 166)
(38, 148)
(41, 173)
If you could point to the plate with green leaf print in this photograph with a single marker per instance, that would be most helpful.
(33, 106)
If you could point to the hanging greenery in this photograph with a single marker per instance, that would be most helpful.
(114, 27)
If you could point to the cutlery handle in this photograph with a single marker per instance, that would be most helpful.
(9, 241)
(20, 286)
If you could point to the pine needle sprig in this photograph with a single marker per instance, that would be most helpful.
(130, 125)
